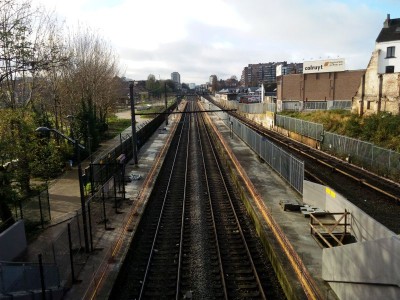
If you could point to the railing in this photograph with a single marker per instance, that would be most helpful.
(382, 161)
(16, 277)
(289, 167)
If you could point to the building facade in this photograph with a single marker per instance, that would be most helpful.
(176, 78)
(255, 74)
(319, 86)
(379, 90)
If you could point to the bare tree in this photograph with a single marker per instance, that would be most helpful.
(89, 85)
(27, 48)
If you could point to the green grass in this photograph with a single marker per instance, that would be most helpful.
(116, 126)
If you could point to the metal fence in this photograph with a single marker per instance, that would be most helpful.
(295, 105)
(315, 105)
(289, 167)
(67, 251)
(382, 161)
(253, 108)
(34, 210)
(17, 277)
(305, 128)
(340, 104)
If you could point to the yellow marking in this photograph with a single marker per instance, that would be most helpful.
(330, 192)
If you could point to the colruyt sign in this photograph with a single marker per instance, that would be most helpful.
(323, 66)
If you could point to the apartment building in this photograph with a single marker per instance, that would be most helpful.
(255, 74)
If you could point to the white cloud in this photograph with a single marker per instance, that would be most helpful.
(199, 38)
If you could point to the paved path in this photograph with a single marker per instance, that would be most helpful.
(65, 198)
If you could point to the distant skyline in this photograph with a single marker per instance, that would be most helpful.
(221, 37)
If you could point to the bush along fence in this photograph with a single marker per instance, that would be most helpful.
(384, 162)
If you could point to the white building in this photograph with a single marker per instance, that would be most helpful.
(379, 90)
(387, 43)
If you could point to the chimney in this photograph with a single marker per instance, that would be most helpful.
(387, 21)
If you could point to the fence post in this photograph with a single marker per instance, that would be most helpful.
(104, 208)
(115, 195)
(42, 277)
(71, 255)
(48, 199)
(90, 226)
(41, 213)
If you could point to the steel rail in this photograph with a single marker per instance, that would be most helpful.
(145, 277)
(229, 199)
(180, 255)
(225, 291)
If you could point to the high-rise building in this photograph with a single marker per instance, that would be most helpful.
(176, 78)
(255, 74)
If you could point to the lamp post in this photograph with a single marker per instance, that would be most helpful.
(133, 119)
(166, 103)
(81, 191)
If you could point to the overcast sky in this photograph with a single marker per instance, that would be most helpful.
(221, 37)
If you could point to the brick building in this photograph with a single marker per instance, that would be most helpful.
(319, 86)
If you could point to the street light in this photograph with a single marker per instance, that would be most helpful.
(133, 120)
(81, 191)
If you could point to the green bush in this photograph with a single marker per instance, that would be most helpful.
(382, 129)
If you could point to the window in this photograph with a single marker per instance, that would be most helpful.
(390, 52)
(389, 69)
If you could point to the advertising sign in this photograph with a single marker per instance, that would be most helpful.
(323, 66)
(278, 70)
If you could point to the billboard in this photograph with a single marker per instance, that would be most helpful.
(323, 66)
(278, 70)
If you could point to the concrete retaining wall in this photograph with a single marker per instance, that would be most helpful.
(13, 241)
(368, 269)
(363, 227)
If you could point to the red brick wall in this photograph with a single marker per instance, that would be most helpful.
(347, 84)
(319, 86)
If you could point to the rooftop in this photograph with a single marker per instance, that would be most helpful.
(390, 31)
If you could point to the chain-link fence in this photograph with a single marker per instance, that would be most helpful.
(305, 128)
(34, 210)
(68, 250)
(17, 277)
(289, 167)
(382, 161)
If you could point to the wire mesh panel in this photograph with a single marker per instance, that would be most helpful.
(306, 128)
(340, 104)
(315, 105)
(35, 210)
(16, 277)
(289, 167)
(379, 160)
(292, 105)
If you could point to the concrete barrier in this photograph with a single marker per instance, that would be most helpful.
(13, 241)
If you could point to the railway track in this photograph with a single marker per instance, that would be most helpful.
(194, 239)
(375, 195)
